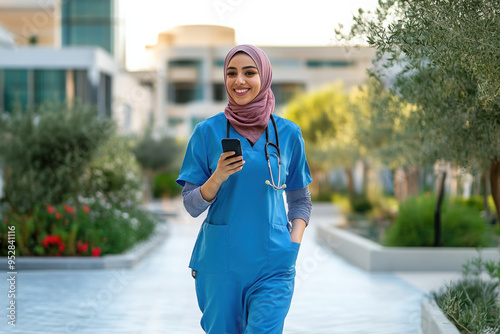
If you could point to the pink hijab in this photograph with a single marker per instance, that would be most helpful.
(250, 120)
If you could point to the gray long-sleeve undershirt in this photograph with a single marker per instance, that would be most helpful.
(299, 202)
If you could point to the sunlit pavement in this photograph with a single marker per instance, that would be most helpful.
(158, 296)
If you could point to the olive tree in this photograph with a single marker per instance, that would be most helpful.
(448, 52)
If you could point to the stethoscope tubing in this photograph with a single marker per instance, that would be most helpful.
(278, 154)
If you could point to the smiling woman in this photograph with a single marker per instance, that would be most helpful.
(244, 258)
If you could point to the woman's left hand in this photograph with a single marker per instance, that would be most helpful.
(298, 227)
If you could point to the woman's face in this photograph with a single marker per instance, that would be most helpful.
(242, 78)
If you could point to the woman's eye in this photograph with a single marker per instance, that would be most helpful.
(250, 73)
(231, 74)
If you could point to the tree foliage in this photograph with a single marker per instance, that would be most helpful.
(448, 34)
(447, 55)
(326, 119)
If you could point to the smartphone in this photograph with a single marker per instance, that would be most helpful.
(231, 144)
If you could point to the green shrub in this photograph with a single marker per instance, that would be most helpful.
(164, 185)
(46, 151)
(158, 154)
(114, 172)
(473, 202)
(414, 225)
(324, 196)
(473, 303)
(360, 203)
(464, 227)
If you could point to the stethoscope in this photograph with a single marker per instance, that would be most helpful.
(277, 153)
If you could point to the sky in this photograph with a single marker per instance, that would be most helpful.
(259, 22)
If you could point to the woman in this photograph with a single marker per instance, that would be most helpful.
(244, 257)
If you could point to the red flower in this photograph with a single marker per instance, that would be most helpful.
(86, 208)
(50, 209)
(96, 251)
(25, 217)
(53, 240)
(68, 209)
(58, 215)
(6, 220)
(82, 247)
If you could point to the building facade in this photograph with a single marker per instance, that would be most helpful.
(67, 51)
(189, 81)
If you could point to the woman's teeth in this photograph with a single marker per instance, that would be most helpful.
(241, 90)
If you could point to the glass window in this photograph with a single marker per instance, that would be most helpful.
(285, 63)
(284, 92)
(219, 62)
(184, 63)
(50, 85)
(15, 84)
(219, 92)
(89, 22)
(89, 35)
(85, 9)
(175, 121)
(184, 93)
(328, 63)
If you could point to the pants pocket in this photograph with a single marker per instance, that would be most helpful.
(211, 251)
(283, 252)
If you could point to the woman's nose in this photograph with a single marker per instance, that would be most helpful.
(240, 79)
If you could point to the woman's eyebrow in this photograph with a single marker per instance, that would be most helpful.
(243, 68)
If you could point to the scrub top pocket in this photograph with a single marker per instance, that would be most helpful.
(211, 251)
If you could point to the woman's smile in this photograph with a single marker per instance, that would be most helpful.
(242, 91)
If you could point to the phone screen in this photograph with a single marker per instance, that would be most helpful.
(231, 144)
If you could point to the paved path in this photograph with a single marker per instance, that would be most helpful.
(157, 296)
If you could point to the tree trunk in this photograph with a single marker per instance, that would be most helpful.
(397, 185)
(366, 170)
(404, 185)
(413, 181)
(350, 182)
(314, 187)
(148, 186)
(484, 182)
(321, 177)
(495, 184)
(476, 186)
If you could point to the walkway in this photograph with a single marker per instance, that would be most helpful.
(157, 296)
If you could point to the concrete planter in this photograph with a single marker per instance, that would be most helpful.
(119, 261)
(371, 256)
(434, 321)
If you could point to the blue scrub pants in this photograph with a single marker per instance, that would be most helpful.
(250, 300)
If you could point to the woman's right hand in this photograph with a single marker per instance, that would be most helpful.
(225, 168)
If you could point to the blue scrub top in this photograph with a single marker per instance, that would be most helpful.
(244, 199)
(204, 150)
